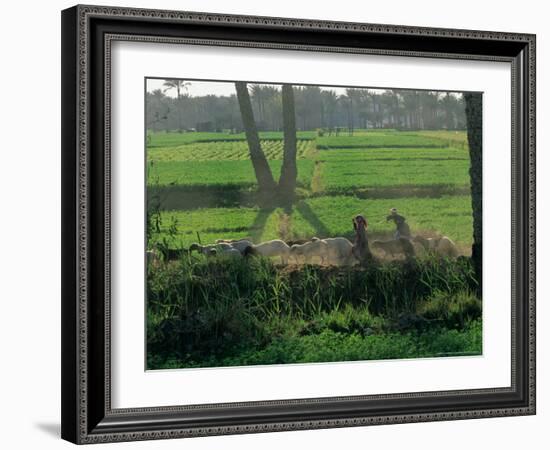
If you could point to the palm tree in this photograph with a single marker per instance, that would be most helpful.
(429, 101)
(352, 97)
(387, 100)
(287, 180)
(259, 95)
(266, 183)
(474, 124)
(301, 106)
(178, 85)
(393, 102)
(449, 105)
(330, 102)
(378, 115)
(157, 110)
(271, 107)
(313, 107)
(256, 95)
(364, 106)
(411, 106)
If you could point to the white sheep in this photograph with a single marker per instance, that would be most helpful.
(231, 241)
(309, 250)
(339, 252)
(221, 249)
(442, 246)
(446, 247)
(270, 249)
(227, 252)
(239, 244)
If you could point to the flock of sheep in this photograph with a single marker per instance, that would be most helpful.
(337, 251)
(331, 251)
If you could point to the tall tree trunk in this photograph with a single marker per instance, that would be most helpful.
(263, 173)
(287, 181)
(475, 126)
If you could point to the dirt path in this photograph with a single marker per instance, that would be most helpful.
(285, 227)
(316, 179)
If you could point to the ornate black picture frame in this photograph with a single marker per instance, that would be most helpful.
(87, 34)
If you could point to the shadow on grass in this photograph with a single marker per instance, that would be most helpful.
(309, 215)
(172, 197)
(201, 196)
(258, 226)
(427, 158)
(228, 196)
(399, 191)
(367, 146)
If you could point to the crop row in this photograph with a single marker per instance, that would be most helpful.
(379, 140)
(224, 151)
(174, 139)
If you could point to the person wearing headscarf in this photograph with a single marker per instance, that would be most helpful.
(402, 229)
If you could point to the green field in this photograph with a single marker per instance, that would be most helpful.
(218, 173)
(379, 140)
(224, 150)
(363, 168)
(202, 179)
(218, 312)
(167, 140)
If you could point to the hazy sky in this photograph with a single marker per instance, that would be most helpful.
(227, 88)
(200, 88)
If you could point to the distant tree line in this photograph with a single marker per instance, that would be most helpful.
(315, 108)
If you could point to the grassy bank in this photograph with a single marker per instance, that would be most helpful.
(221, 312)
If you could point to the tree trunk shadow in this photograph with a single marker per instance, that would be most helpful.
(309, 215)
(258, 226)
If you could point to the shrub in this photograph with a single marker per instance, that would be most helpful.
(453, 310)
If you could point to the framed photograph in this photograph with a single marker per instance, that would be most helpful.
(279, 224)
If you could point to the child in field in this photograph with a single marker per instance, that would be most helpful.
(402, 228)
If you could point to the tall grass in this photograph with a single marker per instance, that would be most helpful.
(203, 311)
